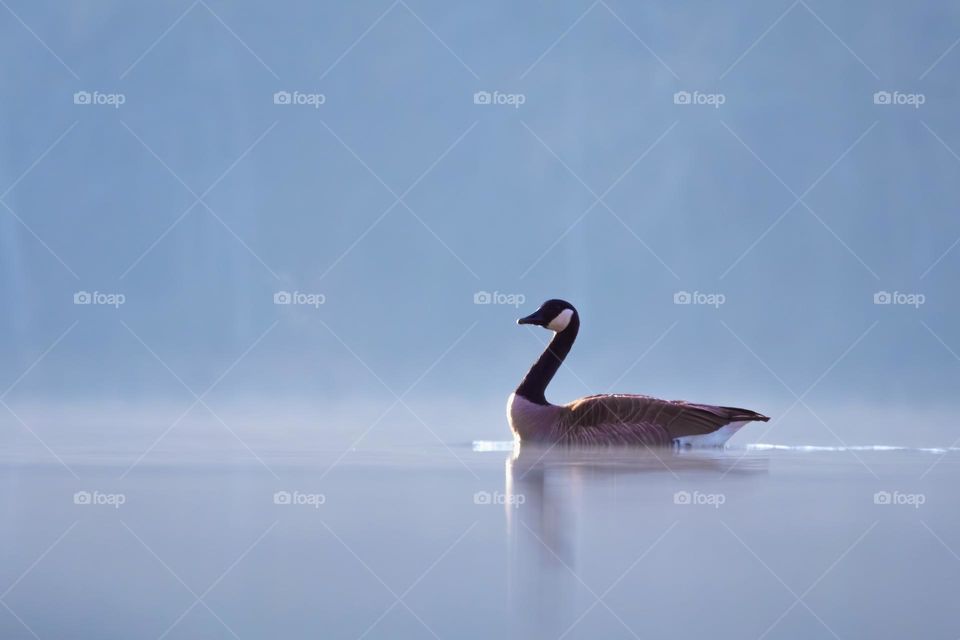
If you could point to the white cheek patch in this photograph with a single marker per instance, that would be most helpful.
(561, 321)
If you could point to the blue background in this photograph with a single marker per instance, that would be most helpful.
(493, 198)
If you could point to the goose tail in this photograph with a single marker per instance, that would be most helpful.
(736, 419)
(737, 414)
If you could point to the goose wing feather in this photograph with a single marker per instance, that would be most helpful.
(642, 419)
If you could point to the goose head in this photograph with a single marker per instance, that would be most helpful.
(554, 315)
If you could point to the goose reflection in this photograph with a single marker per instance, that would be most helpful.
(545, 485)
(550, 490)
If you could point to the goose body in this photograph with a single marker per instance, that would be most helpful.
(608, 419)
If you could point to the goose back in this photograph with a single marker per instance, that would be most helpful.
(641, 420)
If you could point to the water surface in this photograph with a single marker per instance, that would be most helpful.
(479, 541)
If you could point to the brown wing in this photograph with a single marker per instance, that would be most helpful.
(637, 419)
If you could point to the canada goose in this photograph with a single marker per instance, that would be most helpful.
(616, 419)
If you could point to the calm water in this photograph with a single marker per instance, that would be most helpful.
(480, 542)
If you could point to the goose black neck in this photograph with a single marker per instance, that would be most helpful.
(534, 384)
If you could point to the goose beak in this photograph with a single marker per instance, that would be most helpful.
(533, 318)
